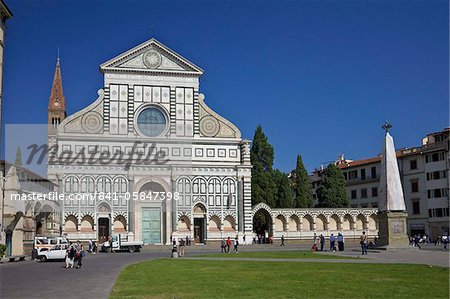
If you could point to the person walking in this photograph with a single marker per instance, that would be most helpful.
(363, 242)
(80, 253)
(182, 243)
(110, 243)
(332, 241)
(445, 241)
(70, 255)
(94, 247)
(417, 241)
(90, 246)
(282, 240)
(223, 246)
(174, 249)
(228, 244)
(236, 244)
(340, 240)
(322, 242)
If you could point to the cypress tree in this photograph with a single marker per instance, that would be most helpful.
(331, 191)
(283, 197)
(302, 185)
(262, 154)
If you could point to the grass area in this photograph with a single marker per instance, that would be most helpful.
(178, 278)
(277, 255)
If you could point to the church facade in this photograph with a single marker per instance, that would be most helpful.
(148, 159)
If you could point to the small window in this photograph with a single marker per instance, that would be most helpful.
(363, 193)
(415, 186)
(353, 194)
(374, 191)
(353, 175)
(416, 207)
(363, 174)
(373, 171)
(413, 164)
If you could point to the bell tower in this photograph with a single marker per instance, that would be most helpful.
(57, 102)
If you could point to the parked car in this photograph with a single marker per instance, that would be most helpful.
(57, 252)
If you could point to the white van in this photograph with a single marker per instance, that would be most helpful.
(42, 243)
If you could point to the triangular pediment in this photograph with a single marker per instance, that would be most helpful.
(151, 57)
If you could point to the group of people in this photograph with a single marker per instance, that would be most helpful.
(333, 239)
(74, 253)
(225, 245)
(92, 247)
(261, 239)
(178, 249)
(417, 239)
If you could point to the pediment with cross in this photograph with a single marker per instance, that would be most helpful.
(151, 57)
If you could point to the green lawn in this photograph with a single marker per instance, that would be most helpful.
(178, 278)
(277, 255)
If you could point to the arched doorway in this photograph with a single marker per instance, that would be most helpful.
(262, 223)
(152, 214)
(199, 213)
(104, 222)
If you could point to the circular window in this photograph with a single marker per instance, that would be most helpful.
(151, 122)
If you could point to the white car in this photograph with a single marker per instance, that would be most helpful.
(57, 252)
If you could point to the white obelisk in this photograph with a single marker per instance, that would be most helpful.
(391, 207)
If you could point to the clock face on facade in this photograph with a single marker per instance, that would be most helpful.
(56, 103)
(152, 59)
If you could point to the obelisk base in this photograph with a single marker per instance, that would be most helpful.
(392, 230)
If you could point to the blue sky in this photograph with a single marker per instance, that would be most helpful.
(319, 76)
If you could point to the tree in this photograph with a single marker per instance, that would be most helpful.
(331, 191)
(262, 154)
(283, 195)
(303, 189)
(18, 157)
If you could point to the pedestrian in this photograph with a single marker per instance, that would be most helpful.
(94, 247)
(315, 238)
(236, 244)
(416, 241)
(445, 241)
(322, 242)
(340, 240)
(110, 240)
(90, 246)
(271, 241)
(363, 242)
(80, 253)
(174, 249)
(228, 244)
(332, 241)
(282, 240)
(181, 247)
(70, 255)
(243, 238)
(223, 246)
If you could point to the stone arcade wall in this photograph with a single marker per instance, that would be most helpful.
(303, 223)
